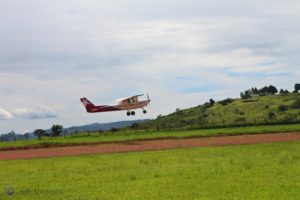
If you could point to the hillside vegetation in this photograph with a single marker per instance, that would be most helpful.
(257, 110)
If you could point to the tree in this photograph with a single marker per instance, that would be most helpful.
(27, 136)
(39, 133)
(13, 135)
(282, 91)
(56, 130)
(157, 128)
(297, 87)
(134, 126)
(263, 91)
(272, 90)
(254, 91)
(226, 101)
(113, 129)
(242, 95)
(246, 94)
(212, 102)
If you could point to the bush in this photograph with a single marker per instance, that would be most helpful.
(226, 102)
(296, 104)
(113, 129)
(207, 105)
(282, 108)
(271, 115)
(240, 119)
(211, 102)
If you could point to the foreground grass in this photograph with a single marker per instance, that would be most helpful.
(264, 171)
(121, 136)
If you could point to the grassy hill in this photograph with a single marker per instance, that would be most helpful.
(259, 110)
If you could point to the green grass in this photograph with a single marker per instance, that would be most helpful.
(264, 171)
(122, 136)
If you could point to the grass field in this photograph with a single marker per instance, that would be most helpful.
(264, 171)
(121, 136)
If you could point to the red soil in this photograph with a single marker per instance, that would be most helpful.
(147, 145)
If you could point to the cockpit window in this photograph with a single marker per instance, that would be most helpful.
(130, 100)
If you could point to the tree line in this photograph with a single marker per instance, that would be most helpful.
(267, 90)
(56, 130)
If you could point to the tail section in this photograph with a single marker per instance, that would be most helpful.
(87, 104)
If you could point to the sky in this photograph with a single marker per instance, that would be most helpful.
(181, 52)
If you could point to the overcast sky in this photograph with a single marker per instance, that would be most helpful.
(182, 52)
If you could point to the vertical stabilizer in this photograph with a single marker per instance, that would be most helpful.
(87, 104)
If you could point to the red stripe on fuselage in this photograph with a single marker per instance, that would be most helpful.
(102, 109)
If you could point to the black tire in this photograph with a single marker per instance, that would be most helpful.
(144, 111)
(128, 113)
(132, 113)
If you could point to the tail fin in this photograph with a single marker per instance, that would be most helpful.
(87, 104)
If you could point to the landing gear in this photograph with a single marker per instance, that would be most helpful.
(130, 113)
(144, 111)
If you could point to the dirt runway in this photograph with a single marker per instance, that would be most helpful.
(147, 145)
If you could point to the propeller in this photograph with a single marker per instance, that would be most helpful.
(148, 98)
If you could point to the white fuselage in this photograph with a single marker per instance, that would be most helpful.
(132, 105)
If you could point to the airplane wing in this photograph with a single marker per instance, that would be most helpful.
(129, 99)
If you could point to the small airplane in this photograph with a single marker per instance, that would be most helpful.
(129, 104)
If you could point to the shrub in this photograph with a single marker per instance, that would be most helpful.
(240, 119)
(288, 118)
(226, 102)
(271, 115)
(296, 104)
(211, 102)
(113, 129)
(282, 108)
(207, 105)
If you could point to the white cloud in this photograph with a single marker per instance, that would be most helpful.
(5, 115)
(38, 112)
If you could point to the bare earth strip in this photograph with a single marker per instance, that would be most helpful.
(158, 144)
